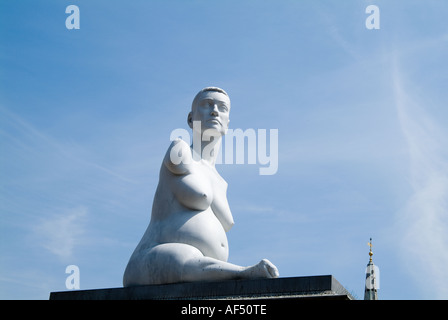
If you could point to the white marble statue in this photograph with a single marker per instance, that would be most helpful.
(186, 237)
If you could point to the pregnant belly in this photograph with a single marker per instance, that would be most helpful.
(201, 230)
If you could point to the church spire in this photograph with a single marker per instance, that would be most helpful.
(372, 274)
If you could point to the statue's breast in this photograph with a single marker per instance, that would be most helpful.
(193, 190)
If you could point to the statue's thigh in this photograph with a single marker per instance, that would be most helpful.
(165, 262)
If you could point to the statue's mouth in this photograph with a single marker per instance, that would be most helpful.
(214, 121)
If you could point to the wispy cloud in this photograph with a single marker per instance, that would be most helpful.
(424, 220)
(31, 138)
(61, 232)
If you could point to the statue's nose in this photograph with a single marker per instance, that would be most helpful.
(214, 111)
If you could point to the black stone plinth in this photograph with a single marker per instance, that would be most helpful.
(313, 287)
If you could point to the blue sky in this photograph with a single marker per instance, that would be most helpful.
(86, 116)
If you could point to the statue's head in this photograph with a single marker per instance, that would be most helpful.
(211, 106)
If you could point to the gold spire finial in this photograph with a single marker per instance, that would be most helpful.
(370, 252)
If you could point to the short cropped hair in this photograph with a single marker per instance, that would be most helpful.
(216, 89)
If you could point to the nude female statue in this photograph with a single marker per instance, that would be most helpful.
(186, 237)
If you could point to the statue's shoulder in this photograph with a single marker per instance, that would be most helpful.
(179, 142)
(178, 158)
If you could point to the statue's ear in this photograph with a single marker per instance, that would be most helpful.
(190, 120)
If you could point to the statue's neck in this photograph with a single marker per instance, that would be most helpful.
(206, 148)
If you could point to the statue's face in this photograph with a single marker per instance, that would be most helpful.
(212, 110)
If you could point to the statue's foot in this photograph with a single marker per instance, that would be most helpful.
(263, 269)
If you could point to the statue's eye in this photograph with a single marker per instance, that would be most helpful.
(206, 103)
